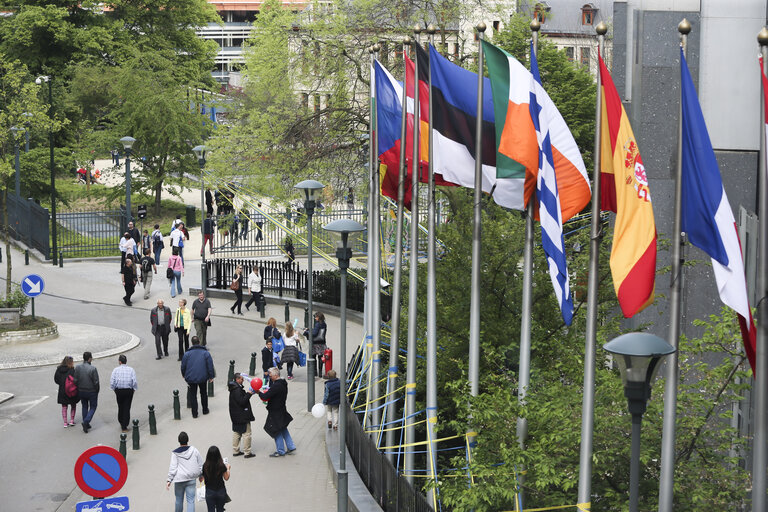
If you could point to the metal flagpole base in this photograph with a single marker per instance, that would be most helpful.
(343, 491)
(311, 372)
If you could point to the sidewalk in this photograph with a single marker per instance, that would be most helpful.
(299, 482)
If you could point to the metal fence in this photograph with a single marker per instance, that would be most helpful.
(90, 233)
(389, 488)
(288, 280)
(28, 223)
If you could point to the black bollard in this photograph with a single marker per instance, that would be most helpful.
(123, 450)
(152, 421)
(252, 368)
(61, 259)
(176, 405)
(231, 374)
(287, 311)
(135, 434)
(210, 388)
(26, 257)
(262, 307)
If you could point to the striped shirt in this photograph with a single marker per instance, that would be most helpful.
(123, 377)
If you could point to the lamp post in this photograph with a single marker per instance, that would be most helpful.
(199, 152)
(344, 228)
(27, 124)
(127, 144)
(310, 188)
(49, 80)
(14, 132)
(638, 355)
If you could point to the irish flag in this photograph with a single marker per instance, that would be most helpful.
(624, 191)
(517, 145)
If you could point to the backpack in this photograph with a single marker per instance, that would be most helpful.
(146, 265)
(70, 388)
(157, 242)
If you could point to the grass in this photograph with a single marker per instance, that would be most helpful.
(26, 323)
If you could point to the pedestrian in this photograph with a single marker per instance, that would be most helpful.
(197, 369)
(160, 319)
(255, 285)
(290, 253)
(186, 466)
(175, 223)
(237, 286)
(215, 472)
(136, 235)
(272, 333)
(182, 323)
(208, 201)
(123, 383)
(318, 340)
(146, 241)
(177, 238)
(331, 399)
(201, 316)
(157, 243)
(127, 245)
(208, 227)
(291, 348)
(67, 396)
(259, 221)
(87, 380)
(244, 219)
(148, 267)
(235, 230)
(176, 267)
(267, 359)
(129, 279)
(278, 417)
(241, 414)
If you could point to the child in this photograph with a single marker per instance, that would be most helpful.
(331, 400)
(266, 359)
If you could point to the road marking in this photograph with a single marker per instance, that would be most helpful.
(22, 407)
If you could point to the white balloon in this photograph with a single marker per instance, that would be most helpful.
(318, 410)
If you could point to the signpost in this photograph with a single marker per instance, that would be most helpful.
(100, 472)
(141, 210)
(32, 286)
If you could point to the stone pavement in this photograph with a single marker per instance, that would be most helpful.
(303, 481)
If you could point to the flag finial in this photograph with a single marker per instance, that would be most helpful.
(481, 27)
(407, 41)
(535, 25)
(416, 29)
(684, 27)
(601, 29)
(431, 29)
(376, 48)
(762, 37)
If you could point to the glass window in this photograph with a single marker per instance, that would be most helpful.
(585, 54)
(569, 52)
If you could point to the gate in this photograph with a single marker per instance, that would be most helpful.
(28, 223)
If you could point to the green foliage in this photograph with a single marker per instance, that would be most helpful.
(15, 299)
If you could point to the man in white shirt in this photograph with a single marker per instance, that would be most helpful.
(177, 239)
(123, 383)
(254, 284)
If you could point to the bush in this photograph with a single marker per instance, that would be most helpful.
(15, 300)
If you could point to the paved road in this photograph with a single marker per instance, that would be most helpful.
(39, 454)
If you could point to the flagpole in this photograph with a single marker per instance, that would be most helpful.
(596, 235)
(413, 288)
(474, 304)
(394, 342)
(369, 223)
(431, 300)
(374, 256)
(667, 477)
(525, 321)
(759, 448)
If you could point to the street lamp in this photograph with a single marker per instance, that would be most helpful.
(343, 228)
(127, 144)
(14, 132)
(638, 355)
(310, 188)
(49, 80)
(199, 152)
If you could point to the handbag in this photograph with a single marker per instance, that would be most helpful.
(302, 358)
(169, 273)
(200, 493)
(235, 285)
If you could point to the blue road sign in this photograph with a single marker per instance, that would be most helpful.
(101, 471)
(32, 285)
(118, 504)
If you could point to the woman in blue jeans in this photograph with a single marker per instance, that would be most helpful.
(215, 472)
(177, 267)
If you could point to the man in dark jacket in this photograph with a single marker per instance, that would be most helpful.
(197, 370)
(136, 235)
(160, 318)
(278, 417)
(87, 380)
(241, 414)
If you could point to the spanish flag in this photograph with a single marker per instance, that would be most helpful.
(624, 191)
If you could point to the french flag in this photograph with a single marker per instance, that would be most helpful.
(707, 217)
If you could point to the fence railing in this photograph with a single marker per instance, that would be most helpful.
(390, 490)
(90, 233)
(288, 280)
(28, 223)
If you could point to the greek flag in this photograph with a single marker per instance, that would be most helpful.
(550, 214)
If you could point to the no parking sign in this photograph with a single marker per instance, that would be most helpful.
(101, 471)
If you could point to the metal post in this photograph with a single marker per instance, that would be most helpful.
(231, 373)
(394, 341)
(588, 400)
(287, 311)
(374, 254)
(55, 248)
(759, 447)
(135, 434)
(252, 367)
(413, 287)
(176, 405)
(667, 477)
(123, 448)
(203, 267)
(634, 464)
(17, 165)
(33, 308)
(311, 363)
(26, 141)
(343, 254)
(127, 186)
(152, 420)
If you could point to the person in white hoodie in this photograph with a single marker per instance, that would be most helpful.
(186, 467)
